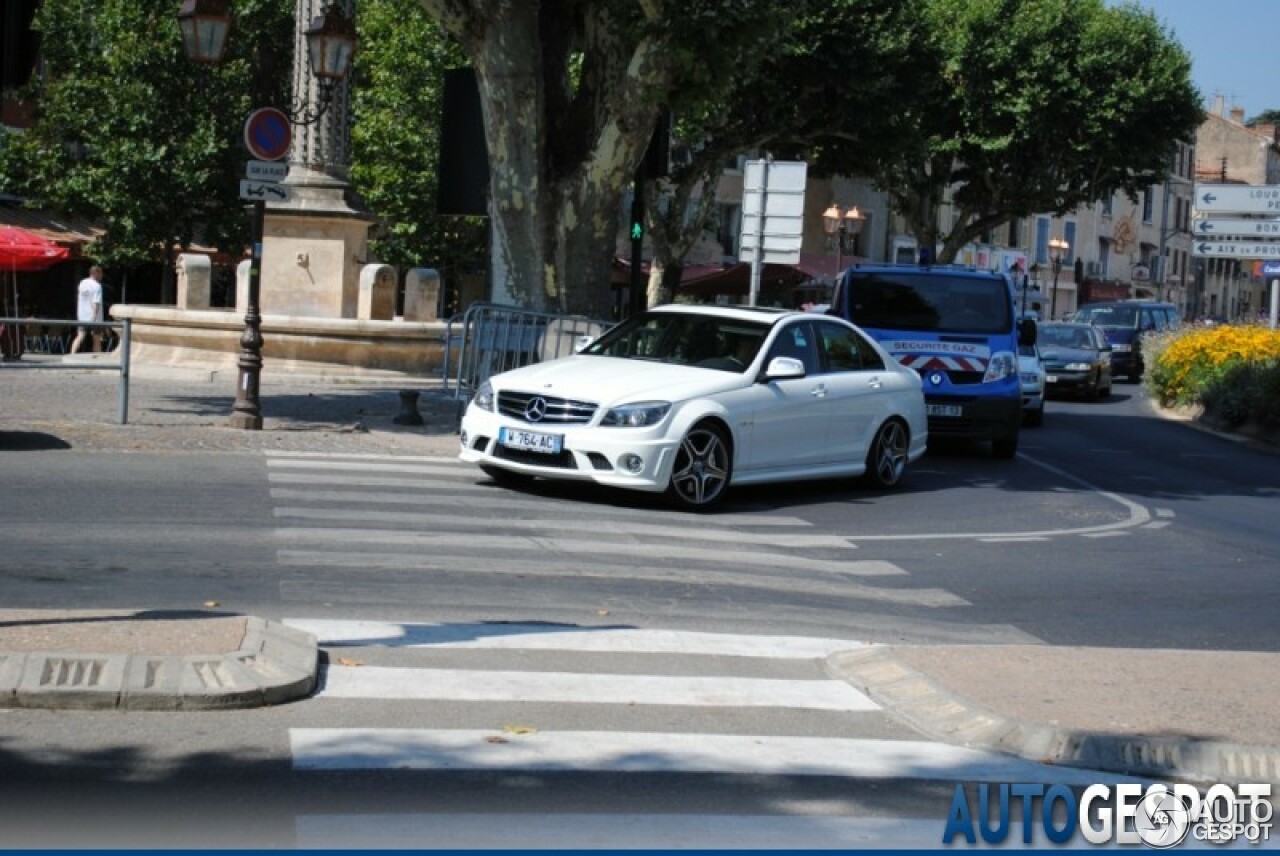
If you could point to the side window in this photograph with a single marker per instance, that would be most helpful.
(871, 359)
(796, 341)
(840, 348)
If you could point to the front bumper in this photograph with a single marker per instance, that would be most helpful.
(587, 453)
(1061, 381)
(978, 418)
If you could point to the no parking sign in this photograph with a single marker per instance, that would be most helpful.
(267, 134)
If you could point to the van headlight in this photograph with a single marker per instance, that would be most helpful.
(1003, 364)
(1077, 367)
(483, 398)
(638, 415)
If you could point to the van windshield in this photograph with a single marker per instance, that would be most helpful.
(1109, 316)
(945, 304)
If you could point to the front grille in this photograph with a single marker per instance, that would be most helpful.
(559, 411)
(563, 460)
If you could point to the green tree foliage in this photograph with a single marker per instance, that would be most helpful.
(571, 92)
(1042, 106)
(133, 135)
(399, 71)
(842, 86)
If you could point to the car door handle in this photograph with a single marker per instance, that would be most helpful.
(874, 382)
(819, 391)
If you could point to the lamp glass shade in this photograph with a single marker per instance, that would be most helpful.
(331, 41)
(831, 219)
(853, 220)
(205, 25)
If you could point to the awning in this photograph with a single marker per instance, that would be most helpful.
(21, 250)
(68, 232)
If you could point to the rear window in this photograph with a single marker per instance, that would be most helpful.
(933, 302)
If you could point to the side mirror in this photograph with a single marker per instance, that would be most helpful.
(782, 368)
(1027, 331)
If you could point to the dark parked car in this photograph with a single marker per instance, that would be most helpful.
(1125, 322)
(1077, 359)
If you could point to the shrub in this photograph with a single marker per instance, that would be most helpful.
(1232, 371)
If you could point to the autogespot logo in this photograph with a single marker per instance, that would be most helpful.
(1159, 816)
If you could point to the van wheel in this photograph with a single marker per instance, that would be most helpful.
(887, 457)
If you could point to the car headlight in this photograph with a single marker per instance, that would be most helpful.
(1077, 367)
(636, 415)
(1124, 349)
(484, 397)
(1003, 364)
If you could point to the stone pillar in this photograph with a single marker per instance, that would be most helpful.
(194, 272)
(421, 294)
(377, 293)
(315, 243)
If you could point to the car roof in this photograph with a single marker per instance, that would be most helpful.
(1065, 324)
(767, 314)
(951, 270)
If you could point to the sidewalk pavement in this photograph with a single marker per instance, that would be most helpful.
(1202, 716)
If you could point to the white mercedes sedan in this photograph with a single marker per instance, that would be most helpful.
(692, 399)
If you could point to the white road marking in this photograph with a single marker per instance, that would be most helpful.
(562, 637)
(379, 682)
(606, 751)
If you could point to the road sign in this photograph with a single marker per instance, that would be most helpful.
(1236, 227)
(269, 191)
(266, 170)
(1236, 249)
(1237, 198)
(1271, 268)
(776, 190)
(267, 133)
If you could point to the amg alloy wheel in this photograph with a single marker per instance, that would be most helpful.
(887, 457)
(702, 468)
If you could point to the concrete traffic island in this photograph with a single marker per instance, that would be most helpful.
(151, 660)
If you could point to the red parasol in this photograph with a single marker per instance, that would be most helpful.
(21, 250)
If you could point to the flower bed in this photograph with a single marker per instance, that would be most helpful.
(1231, 371)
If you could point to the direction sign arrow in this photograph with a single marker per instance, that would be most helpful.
(263, 191)
(1237, 249)
(1237, 227)
(1238, 198)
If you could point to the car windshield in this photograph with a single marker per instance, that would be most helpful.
(1066, 336)
(691, 339)
(946, 304)
(1108, 316)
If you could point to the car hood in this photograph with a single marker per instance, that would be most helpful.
(611, 380)
(1068, 355)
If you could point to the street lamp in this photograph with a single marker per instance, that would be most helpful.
(842, 224)
(331, 41)
(1057, 250)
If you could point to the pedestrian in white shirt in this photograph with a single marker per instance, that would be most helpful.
(89, 308)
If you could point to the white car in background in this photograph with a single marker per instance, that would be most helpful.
(691, 399)
(1033, 376)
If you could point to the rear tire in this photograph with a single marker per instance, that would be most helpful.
(702, 469)
(887, 457)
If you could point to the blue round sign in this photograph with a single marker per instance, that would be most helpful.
(268, 134)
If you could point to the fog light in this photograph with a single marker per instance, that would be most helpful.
(631, 463)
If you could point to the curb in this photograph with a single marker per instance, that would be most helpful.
(274, 664)
(943, 715)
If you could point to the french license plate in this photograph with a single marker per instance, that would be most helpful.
(1051, 378)
(530, 441)
(943, 410)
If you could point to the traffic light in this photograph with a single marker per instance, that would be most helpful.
(637, 230)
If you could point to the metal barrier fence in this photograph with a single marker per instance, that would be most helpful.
(21, 336)
(490, 338)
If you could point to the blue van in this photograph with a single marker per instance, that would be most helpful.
(1125, 322)
(956, 327)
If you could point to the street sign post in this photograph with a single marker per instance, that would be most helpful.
(772, 216)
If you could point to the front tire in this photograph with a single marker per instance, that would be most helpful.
(1005, 447)
(887, 457)
(702, 469)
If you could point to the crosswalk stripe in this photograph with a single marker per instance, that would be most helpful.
(590, 831)
(368, 467)
(455, 522)
(366, 456)
(381, 682)
(553, 567)
(534, 545)
(554, 637)
(634, 752)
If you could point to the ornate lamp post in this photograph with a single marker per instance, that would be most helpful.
(331, 41)
(1057, 250)
(843, 225)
